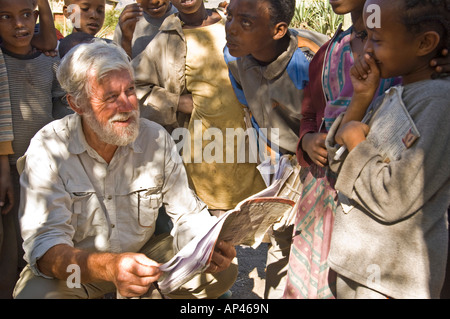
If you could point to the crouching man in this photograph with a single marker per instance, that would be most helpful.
(91, 187)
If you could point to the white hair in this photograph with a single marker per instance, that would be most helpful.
(84, 61)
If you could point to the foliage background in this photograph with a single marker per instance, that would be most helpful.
(316, 15)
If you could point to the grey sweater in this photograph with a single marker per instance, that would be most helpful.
(395, 238)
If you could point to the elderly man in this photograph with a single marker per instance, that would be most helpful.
(92, 184)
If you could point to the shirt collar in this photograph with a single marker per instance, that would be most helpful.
(277, 67)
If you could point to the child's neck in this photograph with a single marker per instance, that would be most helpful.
(422, 72)
(198, 19)
(272, 54)
(20, 51)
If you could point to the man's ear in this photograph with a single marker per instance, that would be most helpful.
(280, 30)
(428, 42)
(73, 105)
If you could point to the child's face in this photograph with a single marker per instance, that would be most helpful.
(391, 44)
(248, 28)
(155, 8)
(346, 6)
(91, 15)
(17, 22)
(187, 6)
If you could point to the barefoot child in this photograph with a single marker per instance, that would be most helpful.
(390, 235)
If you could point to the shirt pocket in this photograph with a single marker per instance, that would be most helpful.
(88, 217)
(146, 204)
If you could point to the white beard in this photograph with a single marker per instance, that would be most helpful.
(109, 133)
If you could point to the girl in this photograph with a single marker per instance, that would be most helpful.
(391, 237)
(328, 95)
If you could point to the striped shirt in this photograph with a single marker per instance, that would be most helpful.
(35, 94)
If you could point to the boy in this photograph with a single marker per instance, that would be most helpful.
(86, 16)
(139, 22)
(390, 238)
(269, 75)
(34, 92)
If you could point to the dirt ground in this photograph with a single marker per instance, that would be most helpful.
(252, 262)
(251, 277)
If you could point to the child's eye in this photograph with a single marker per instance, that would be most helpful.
(4, 17)
(246, 23)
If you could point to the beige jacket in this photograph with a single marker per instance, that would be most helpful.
(160, 73)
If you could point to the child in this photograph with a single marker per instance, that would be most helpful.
(390, 238)
(35, 98)
(182, 72)
(139, 22)
(86, 16)
(327, 95)
(269, 73)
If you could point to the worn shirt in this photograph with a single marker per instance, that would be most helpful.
(146, 29)
(70, 195)
(274, 92)
(218, 170)
(395, 238)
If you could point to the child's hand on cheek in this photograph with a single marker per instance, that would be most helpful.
(441, 65)
(351, 134)
(365, 75)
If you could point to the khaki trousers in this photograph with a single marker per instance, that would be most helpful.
(159, 248)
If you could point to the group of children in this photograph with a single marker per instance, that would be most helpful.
(365, 227)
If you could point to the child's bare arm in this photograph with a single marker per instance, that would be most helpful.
(6, 187)
(46, 39)
(186, 104)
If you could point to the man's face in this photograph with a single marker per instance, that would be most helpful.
(17, 22)
(248, 28)
(86, 16)
(113, 113)
(155, 8)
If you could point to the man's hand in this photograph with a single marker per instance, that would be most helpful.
(314, 145)
(222, 257)
(133, 274)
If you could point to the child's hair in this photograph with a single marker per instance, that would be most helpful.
(425, 15)
(72, 40)
(281, 11)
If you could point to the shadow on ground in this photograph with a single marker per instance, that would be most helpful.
(252, 273)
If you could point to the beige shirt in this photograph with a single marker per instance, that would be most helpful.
(218, 172)
(70, 195)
